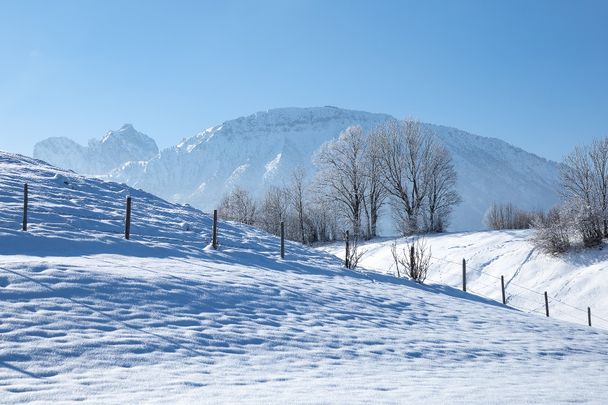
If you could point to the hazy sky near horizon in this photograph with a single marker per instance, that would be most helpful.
(533, 73)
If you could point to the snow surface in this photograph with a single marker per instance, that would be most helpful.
(88, 316)
(574, 281)
(263, 149)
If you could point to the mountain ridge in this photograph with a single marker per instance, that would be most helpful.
(100, 156)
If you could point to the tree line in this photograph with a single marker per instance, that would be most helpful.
(581, 218)
(399, 165)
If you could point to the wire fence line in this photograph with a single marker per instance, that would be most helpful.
(531, 306)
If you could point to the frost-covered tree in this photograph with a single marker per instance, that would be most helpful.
(238, 205)
(323, 217)
(274, 209)
(376, 191)
(297, 194)
(341, 174)
(599, 163)
(583, 213)
(583, 180)
(441, 196)
(418, 174)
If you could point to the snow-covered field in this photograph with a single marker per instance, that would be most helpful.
(574, 281)
(86, 315)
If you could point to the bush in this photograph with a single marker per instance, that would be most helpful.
(413, 260)
(551, 232)
(354, 254)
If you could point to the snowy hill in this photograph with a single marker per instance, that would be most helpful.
(100, 156)
(88, 316)
(265, 147)
(574, 281)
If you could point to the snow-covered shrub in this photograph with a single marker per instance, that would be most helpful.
(551, 232)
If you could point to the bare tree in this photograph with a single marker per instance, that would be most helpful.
(322, 212)
(238, 206)
(441, 196)
(508, 216)
(297, 198)
(376, 191)
(416, 172)
(274, 209)
(341, 173)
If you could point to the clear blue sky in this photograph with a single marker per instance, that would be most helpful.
(534, 73)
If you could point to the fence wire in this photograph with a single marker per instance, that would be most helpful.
(531, 306)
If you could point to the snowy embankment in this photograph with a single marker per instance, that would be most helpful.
(574, 281)
(86, 315)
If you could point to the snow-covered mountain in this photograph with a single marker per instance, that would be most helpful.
(88, 316)
(101, 155)
(264, 148)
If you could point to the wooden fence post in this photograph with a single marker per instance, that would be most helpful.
(128, 219)
(412, 260)
(214, 231)
(502, 285)
(589, 315)
(346, 261)
(282, 240)
(464, 275)
(546, 304)
(25, 202)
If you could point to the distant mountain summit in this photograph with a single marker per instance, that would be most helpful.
(264, 148)
(99, 157)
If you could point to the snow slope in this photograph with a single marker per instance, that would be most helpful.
(99, 156)
(263, 149)
(573, 282)
(88, 316)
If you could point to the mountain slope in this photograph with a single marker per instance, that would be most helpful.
(100, 156)
(88, 316)
(264, 148)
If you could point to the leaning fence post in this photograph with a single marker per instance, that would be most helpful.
(589, 315)
(502, 285)
(464, 275)
(128, 219)
(214, 231)
(25, 201)
(546, 304)
(346, 261)
(282, 240)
